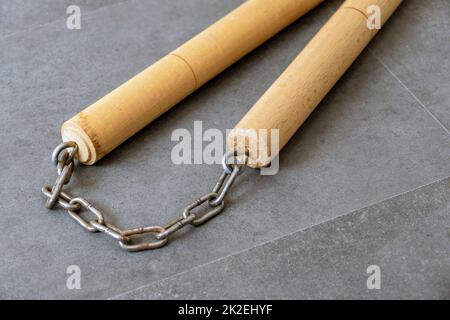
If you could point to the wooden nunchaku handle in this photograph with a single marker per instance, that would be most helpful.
(295, 94)
(107, 123)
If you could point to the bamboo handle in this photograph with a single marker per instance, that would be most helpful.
(295, 94)
(107, 123)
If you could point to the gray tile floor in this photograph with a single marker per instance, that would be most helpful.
(406, 235)
(27, 15)
(363, 182)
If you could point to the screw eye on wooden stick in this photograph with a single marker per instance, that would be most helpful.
(107, 123)
(296, 93)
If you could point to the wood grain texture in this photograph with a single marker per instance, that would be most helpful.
(107, 123)
(301, 87)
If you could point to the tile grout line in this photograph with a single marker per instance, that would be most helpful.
(273, 240)
(408, 90)
(42, 25)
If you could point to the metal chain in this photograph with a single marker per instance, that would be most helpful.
(64, 158)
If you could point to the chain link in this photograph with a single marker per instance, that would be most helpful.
(64, 158)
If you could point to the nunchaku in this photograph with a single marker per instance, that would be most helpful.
(98, 129)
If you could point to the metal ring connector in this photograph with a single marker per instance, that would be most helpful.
(240, 160)
(62, 146)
